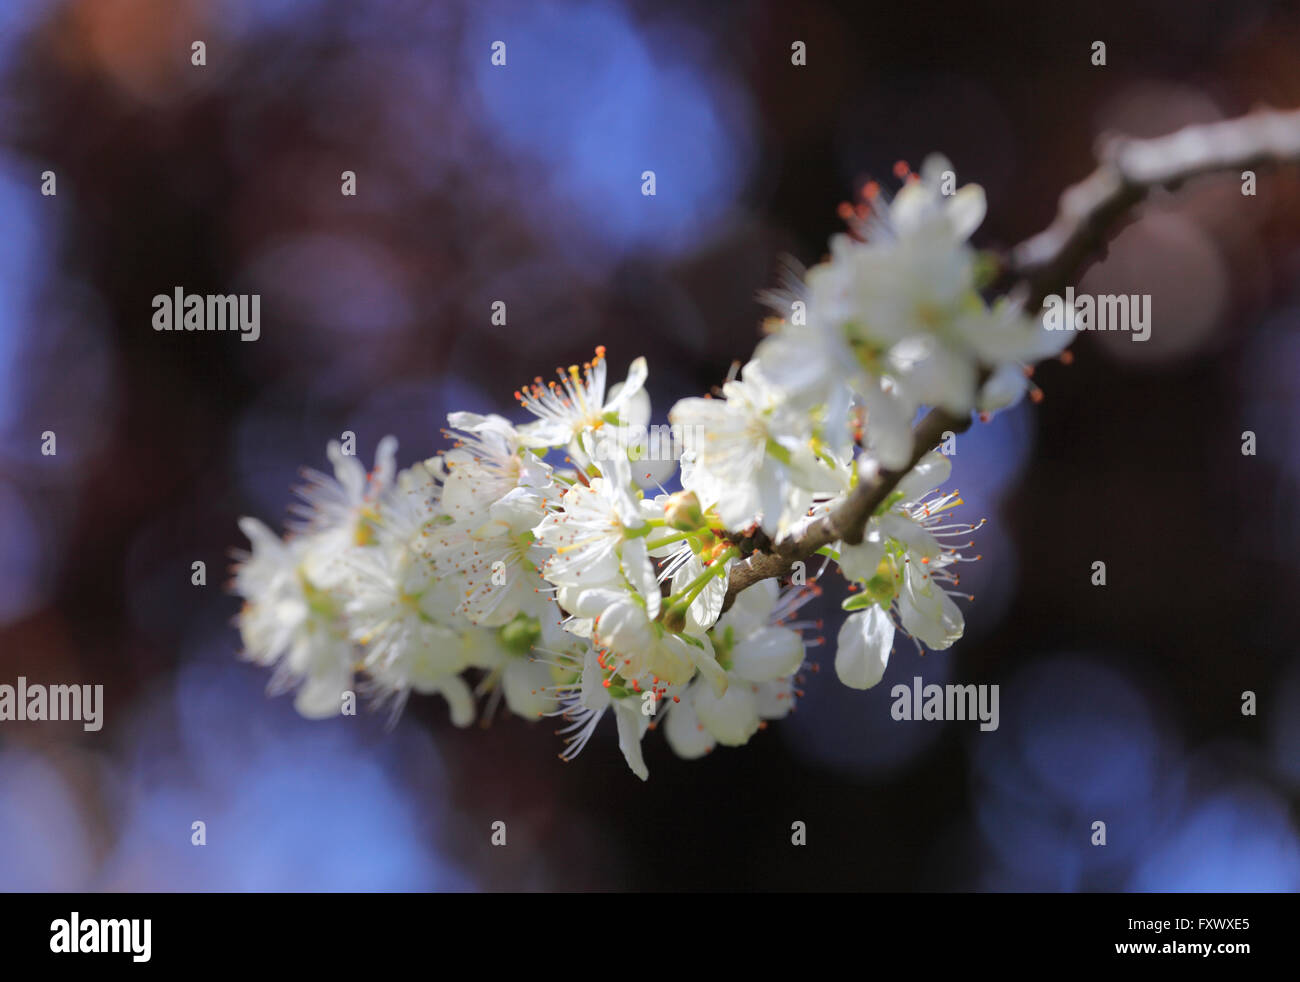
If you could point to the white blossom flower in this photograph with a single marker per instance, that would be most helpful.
(341, 500)
(624, 612)
(943, 368)
(905, 570)
(496, 564)
(584, 701)
(757, 460)
(513, 656)
(488, 460)
(587, 526)
(423, 669)
(904, 271)
(339, 511)
(921, 210)
(761, 653)
(894, 321)
(293, 614)
(578, 403)
(290, 622)
(643, 646)
(629, 576)
(399, 612)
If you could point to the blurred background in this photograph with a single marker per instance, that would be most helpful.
(477, 183)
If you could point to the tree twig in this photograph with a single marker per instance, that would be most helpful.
(1088, 214)
(1129, 170)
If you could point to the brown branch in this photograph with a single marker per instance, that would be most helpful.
(1091, 210)
(1089, 213)
(848, 520)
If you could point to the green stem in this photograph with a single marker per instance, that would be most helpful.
(718, 567)
(668, 540)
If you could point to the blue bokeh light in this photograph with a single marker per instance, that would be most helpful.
(1077, 744)
(1238, 840)
(586, 94)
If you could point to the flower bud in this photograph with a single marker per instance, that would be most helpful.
(683, 512)
(519, 636)
(675, 617)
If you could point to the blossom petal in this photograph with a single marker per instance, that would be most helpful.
(927, 612)
(863, 647)
(685, 733)
(769, 654)
(459, 699)
(966, 210)
(731, 717)
(635, 382)
(930, 471)
(861, 561)
(631, 725)
(920, 543)
(524, 682)
(640, 572)
(321, 696)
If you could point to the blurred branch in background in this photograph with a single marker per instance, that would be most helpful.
(1090, 212)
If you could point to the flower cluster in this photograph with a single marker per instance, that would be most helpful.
(532, 562)
(894, 320)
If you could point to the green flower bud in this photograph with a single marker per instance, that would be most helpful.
(675, 617)
(519, 636)
(683, 512)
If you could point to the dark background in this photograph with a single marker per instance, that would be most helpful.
(1119, 703)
